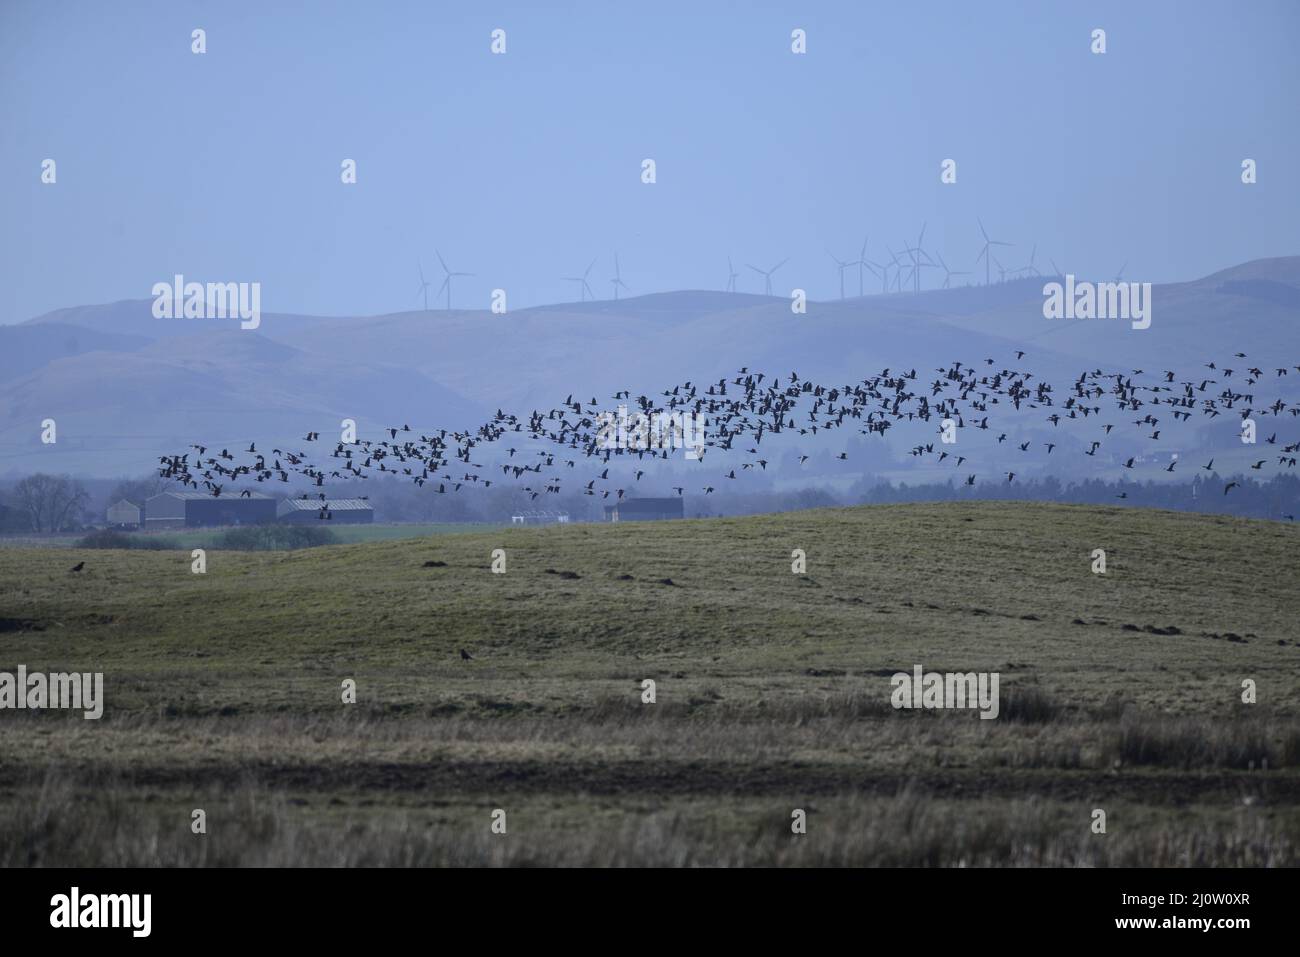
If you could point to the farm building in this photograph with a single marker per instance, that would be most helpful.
(337, 511)
(541, 517)
(182, 509)
(645, 510)
(124, 514)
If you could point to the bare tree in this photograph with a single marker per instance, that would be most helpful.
(51, 502)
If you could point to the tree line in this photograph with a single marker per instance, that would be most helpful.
(47, 504)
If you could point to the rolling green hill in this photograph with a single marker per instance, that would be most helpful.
(1119, 691)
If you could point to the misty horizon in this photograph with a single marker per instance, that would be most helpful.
(753, 159)
(1043, 277)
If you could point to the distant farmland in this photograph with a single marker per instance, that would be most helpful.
(210, 537)
(1120, 692)
(199, 537)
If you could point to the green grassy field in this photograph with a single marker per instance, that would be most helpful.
(1119, 691)
(346, 534)
(211, 537)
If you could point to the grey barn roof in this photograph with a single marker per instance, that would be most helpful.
(192, 496)
(333, 504)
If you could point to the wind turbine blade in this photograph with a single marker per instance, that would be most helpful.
(440, 260)
(446, 282)
(779, 265)
(982, 231)
(757, 270)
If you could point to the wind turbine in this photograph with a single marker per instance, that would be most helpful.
(916, 254)
(843, 266)
(898, 270)
(863, 261)
(446, 282)
(618, 278)
(907, 251)
(424, 286)
(984, 253)
(884, 270)
(583, 287)
(1030, 267)
(917, 264)
(767, 276)
(948, 273)
(731, 276)
(1002, 270)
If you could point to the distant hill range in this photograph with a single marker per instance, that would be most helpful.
(124, 386)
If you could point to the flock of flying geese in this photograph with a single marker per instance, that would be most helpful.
(743, 410)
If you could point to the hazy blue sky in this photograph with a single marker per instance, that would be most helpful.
(522, 168)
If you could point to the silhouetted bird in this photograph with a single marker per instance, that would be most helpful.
(465, 655)
(77, 567)
(748, 408)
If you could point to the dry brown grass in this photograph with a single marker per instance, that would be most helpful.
(773, 694)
